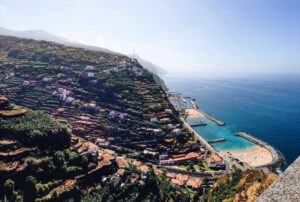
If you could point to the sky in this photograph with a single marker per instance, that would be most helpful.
(196, 36)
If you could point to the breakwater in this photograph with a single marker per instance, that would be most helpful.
(277, 158)
(198, 137)
(195, 106)
(199, 123)
(216, 140)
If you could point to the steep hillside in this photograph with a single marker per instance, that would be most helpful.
(240, 186)
(72, 119)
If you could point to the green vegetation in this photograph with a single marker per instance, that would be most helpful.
(36, 128)
(240, 186)
(155, 188)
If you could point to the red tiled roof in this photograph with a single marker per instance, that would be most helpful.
(144, 168)
(194, 183)
(182, 178)
(121, 161)
(177, 182)
(121, 171)
(137, 163)
(216, 158)
(171, 175)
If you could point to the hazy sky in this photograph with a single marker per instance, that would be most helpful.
(179, 35)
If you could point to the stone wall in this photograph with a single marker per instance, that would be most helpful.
(286, 188)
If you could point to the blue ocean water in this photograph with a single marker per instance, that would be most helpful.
(213, 131)
(265, 106)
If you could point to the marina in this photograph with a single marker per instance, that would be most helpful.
(218, 138)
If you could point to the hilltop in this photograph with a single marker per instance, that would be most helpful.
(46, 36)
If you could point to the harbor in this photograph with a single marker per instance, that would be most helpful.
(217, 138)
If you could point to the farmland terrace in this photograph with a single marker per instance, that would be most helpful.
(68, 113)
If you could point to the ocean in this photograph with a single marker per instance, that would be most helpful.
(265, 106)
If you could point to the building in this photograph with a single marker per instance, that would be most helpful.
(215, 161)
(88, 149)
(121, 171)
(163, 157)
(194, 183)
(179, 159)
(122, 162)
(136, 163)
(165, 120)
(89, 68)
(153, 120)
(180, 179)
(90, 75)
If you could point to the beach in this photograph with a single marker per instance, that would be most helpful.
(193, 113)
(256, 156)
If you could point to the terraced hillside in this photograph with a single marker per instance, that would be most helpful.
(71, 117)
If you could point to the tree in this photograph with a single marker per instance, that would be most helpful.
(30, 190)
(9, 187)
(59, 162)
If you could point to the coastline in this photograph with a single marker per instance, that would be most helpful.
(256, 156)
(262, 155)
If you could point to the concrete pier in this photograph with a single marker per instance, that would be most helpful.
(198, 137)
(195, 106)
(216, 140)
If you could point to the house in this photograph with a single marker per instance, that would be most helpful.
(89, 68)
(122, 162)
(194, 183)
(146, 151)
(144, 169)
(170, 126)
(121, 171)
(136, 163)
(163, 156)
(176, 132)
(112, 114)
(202, 150)
(166, 162)
(171, 175)
(182, 178)
(168, 111)
(89, 149)
(179, 159)
(102, 142)
(69, 100)
(123, 115)
(177, 182)
(165, 120)
(90, 74)
(3, 86)
(154, 120)
(215, 161)
(91, 107)
(157, 131)
(47, 79)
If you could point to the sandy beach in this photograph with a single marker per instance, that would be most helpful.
(256, 156)
(193, 113)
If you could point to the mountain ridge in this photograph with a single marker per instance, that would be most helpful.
(47, 36)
